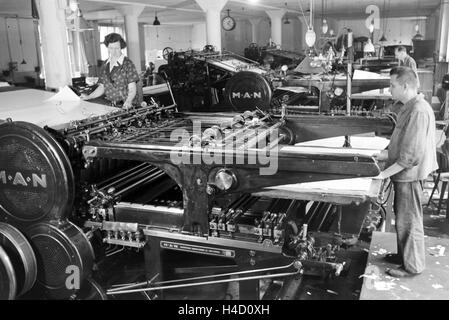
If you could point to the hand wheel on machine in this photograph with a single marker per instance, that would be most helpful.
(167, 52)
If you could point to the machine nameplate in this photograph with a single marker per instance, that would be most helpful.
(197, 249)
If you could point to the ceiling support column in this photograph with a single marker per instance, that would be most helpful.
(213, 20)
(55, 53)
(276, 25)
(131, 15)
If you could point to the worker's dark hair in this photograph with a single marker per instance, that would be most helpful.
(114, 37)
(328, 45)
(405, 75)
(401, 49)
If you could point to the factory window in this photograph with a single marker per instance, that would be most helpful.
(105, 30)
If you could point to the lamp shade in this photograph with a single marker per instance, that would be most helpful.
(156, 21)
(325, 27)
(418, 36)
(310, 37)
(369, 47)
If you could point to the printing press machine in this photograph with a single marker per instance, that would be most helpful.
(223, 81)
(181, 188)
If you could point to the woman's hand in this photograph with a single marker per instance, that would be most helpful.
(127, 105)
(84, 96)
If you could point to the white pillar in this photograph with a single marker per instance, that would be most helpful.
(142, 45)
(302, 32)
(443, 31)
(131, 14)
(54, 43)
(254, 25)
(96, 40)
(213, 20)
(276, 25)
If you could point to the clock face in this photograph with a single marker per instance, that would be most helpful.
(228, 23)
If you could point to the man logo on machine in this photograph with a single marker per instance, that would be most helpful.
(34, 180)
(247, 95)
(225, 149)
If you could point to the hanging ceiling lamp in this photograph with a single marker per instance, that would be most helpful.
(20, 41)
(310, 37)
(310, 34)
(368, 47)
(325, 26)
(156, 21)
(286, 21)
(417, 36)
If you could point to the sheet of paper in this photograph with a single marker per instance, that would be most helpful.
(362, 74)
(327, 150)
(355, 184)
(36, 106)
(65, 94)
(375, 143)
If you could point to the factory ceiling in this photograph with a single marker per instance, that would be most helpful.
(189, 12)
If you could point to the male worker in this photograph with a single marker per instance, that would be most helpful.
(405, 60)
(411, 158)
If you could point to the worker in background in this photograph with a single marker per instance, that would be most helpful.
(405, 60)
(268, 61)
(329, 50)
(118, 76)
(411, 158)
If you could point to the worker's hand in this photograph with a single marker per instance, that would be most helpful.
(381, 156)
(84, 96)
(127, 105)
(381, 176)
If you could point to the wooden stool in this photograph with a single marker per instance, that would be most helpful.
(444, 178)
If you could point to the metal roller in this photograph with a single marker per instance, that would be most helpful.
(8, 284)
(60, 248)
(22, 256)
(91, 290)
(37, 182)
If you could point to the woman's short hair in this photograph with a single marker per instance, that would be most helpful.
(114, 37)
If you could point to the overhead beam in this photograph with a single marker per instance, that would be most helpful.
(264, 6)
(145, 3)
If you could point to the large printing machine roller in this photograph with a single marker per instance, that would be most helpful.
(45, 192)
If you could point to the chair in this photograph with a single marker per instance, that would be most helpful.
(441, 175)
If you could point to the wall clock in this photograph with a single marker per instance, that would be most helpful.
(228, 22)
